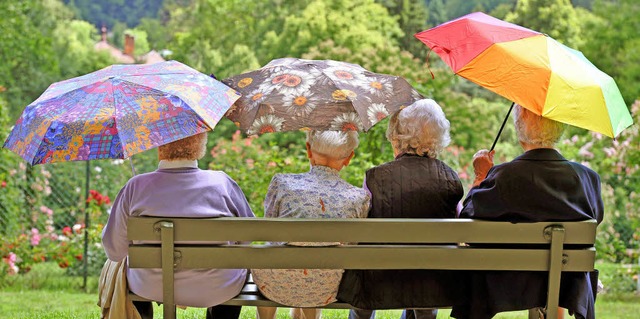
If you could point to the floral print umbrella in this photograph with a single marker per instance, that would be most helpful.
(119, 111)
(294, 94)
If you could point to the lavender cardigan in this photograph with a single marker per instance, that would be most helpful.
(178, 189)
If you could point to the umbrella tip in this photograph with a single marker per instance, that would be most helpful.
(213, 76)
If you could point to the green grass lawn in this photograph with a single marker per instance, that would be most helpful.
(47, 293)
(47, 304)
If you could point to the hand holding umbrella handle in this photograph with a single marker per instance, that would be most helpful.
(482, 163)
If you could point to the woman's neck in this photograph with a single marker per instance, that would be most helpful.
(326, 161)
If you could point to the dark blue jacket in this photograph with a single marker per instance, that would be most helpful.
(539, 185)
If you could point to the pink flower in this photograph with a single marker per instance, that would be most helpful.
(35, 237)
(236, 136)
(3, 184)
(11, 261)
(610, 151)
(584, 151)
(272, 164)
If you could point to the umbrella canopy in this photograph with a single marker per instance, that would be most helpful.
(292, 94)
(119, 111)
(531, 69)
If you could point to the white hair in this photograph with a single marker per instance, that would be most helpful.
(535, 129)
(334, 144)
(421, 128)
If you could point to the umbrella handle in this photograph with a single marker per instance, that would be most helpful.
(501, 127)
(133, 170)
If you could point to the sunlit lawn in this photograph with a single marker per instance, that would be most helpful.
(45, 304)
(46, 293)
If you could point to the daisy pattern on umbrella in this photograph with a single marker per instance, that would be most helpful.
(344, 95)
(255, 98)
(266, 124)
(314, 94)
(291, 82)
(341, 74)
(377, 112)
(300, 105)
(346, 122)
(378, 87)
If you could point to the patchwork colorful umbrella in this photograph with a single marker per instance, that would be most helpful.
(295, 94)
(531, 69)
(119, 111)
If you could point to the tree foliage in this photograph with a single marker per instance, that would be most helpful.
(29, 63)
(557, 18)
(108, 12)
(614, 43)
(352, 24)
(413, 17)
(73, 43)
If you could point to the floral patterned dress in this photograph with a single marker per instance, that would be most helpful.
(319, 193)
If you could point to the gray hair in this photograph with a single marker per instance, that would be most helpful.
(189, 148)
(420, 128)
(535, 129)
(334, 144)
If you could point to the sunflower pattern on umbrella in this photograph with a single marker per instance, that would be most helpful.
(295, 94)
(117, 112)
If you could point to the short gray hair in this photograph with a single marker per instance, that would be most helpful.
(420, 128)
(535, 129)
(334, 144)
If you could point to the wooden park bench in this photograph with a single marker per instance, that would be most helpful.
(409, 244)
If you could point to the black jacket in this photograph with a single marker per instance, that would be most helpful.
(409, 187)
(539, 185)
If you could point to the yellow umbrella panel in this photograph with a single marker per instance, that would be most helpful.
(552, 80)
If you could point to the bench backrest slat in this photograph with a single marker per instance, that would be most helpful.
(359, 257)
(361, 230)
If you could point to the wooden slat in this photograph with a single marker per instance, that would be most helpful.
(360, 257)
(394, 230)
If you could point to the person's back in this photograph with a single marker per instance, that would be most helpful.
(178, 188)
(177, 192)
(415, 185)
(539, 185)
(319, 193)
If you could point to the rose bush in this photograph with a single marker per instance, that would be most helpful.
(63, 246)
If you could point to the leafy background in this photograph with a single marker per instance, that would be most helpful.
(44, 41)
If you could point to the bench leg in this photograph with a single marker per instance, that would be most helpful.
(266, 312)
(555, 270)
(311, 313)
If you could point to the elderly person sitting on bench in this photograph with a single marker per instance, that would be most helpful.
(178, 188)
(416, 184)
(539, 185)
(319, 193)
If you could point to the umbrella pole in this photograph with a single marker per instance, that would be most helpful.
(133, 170)
(85, 260)
(501, 127)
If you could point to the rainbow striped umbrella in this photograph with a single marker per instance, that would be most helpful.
(531, 69)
